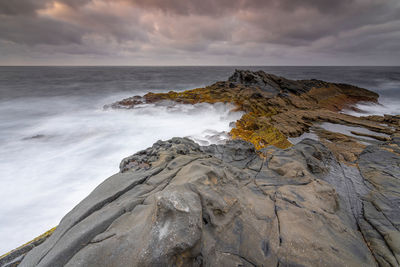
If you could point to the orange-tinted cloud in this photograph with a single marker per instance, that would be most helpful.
(227, 31)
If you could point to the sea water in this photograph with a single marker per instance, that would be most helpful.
(57, 143)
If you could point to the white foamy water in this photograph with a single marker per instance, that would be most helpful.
(385, 106)
(296, 140)
(347, 130)
(55, 151)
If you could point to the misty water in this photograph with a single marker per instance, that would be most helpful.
(57, 143)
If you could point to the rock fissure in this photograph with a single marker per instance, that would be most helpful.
(241, 257)
(277, 219)
(384, 215)
(365, 240)
(95, 208)
(383, 238)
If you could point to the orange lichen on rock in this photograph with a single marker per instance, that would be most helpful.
(252, 127)
(258, 132)
(336, 97)
(194, 96)
(275, 108)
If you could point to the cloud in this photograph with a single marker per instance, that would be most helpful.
(32, 31)
(20, 7)
(243, 31)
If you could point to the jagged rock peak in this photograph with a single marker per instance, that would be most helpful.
(279, 85)
(270, 82)
(251, 77)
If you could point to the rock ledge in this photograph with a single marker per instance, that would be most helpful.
(179, 204)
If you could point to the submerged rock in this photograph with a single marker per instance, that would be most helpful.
(180, 204)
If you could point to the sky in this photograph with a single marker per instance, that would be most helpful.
(200, 32)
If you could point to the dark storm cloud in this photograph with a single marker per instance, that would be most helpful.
(300, 22)
(32, 31)
(231, 28)
(76, 4)
(20, 24)
(29, 7)
(18, 7)
(204, 7)
(212, 7)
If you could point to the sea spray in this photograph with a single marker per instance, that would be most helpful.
(51, 162)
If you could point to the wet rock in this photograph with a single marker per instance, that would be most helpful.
(127, 103)
(224, 205)
(377, 137)
(379, 165)
(277, 108)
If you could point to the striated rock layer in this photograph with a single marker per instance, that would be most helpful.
(179, 204)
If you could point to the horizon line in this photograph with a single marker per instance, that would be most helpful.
(199, 65)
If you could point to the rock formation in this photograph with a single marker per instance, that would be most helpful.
(327, 202)
(277, 108)
(179, 204)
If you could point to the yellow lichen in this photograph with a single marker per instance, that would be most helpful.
(199, 95)
(44, 235)
(252, 127)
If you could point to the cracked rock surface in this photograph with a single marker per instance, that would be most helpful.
(179, 204)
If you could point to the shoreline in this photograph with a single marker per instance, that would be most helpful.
(286, 113)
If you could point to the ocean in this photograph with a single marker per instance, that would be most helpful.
(57, 143)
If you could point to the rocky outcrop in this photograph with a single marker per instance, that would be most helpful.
(282, 86)
(277, 108)
(179, 204)
(380, 220)
(271, 201)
